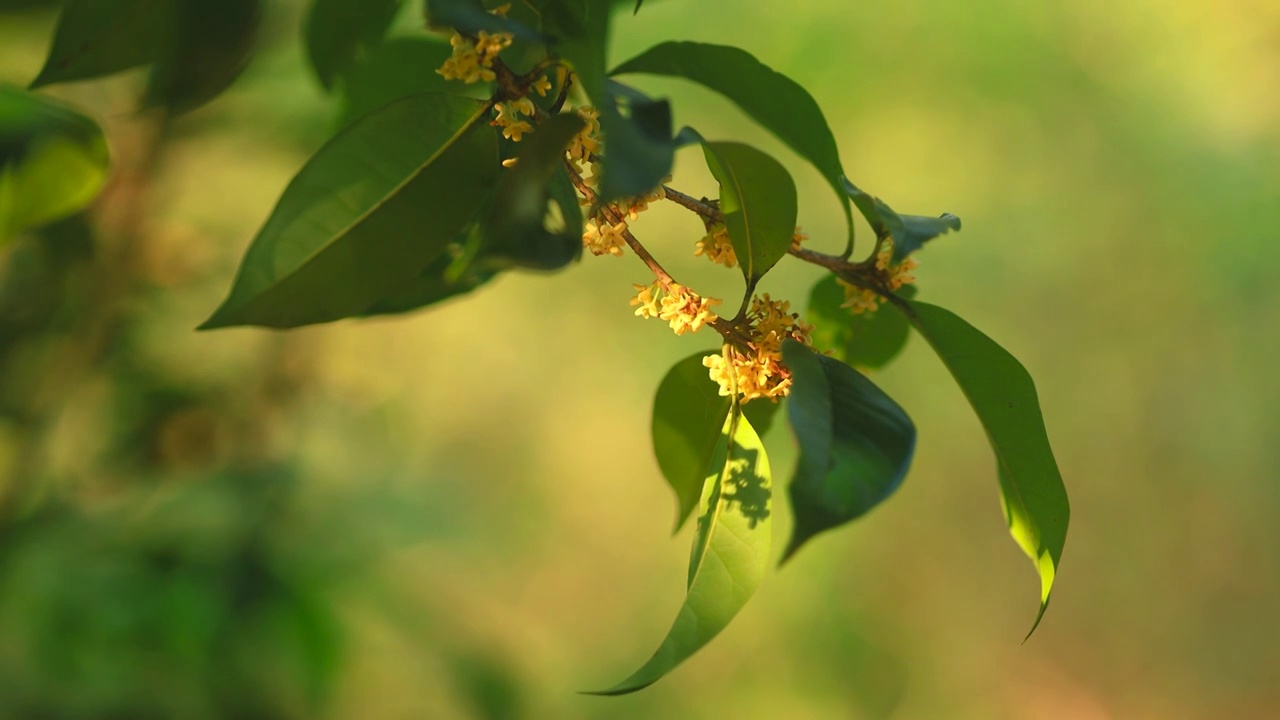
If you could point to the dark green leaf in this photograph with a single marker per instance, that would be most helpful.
(909, 232)
(776, 102)
(457, 271)
(392, 70)
(470, 16)
(338, 31)
(867, 340)
(516, 228)
(1003, 395)
(730, 551)
(638, 148)
(208, 47)
(758, 199)
(638, 4)
(367, 214)
(855, 443)
(95, 38)
(53, 161)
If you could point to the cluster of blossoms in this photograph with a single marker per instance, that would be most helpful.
(716, 246)
(472, 60)
(682, 308)
(863, 300)
(604, 238)
(756, 371)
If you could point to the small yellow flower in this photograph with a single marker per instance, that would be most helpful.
(542, 86)
(516, 130)
(685, 311)
(716, 246)
(604, 238)
(647, 304)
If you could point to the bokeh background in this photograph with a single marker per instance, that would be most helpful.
(456, 514)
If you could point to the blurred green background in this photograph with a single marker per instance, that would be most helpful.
(456, 514)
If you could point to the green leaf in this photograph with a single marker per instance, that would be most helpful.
(638, 4)
(393, 70)
(516, 228)
(470, 16)
(638, 148)
(758, 199)
(205, 51)
(688, 423)
(868, 340)
(95, 38)
(53, 161)
(730, 551)
(337, 32)
(367, 214)
(457, 271)
(909, 232)
(775, 101)
(1003, 395)
(855, 443)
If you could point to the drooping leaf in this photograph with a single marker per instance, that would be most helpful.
(338, 31)
(393, 70)
(855, 443)
(638, 4)
(367, 214)
(778, 103)
(868, 340)
(758, 199)
(688, 422)
(910, 232)
(53, 161)
(638, 148)
(207, 48)
(1003, 396)
(516, 227)
(730, 551)
(95, 38)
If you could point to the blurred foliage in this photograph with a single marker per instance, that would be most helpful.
(319, 526)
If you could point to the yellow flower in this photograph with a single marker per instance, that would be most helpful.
(685, 311)
(516, 130)
(645, 300)
(542, 86)
(716, 246)
(757, 370)
(604, 239)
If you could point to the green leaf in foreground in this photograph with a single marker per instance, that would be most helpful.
(367, 214)
(95, 38)
(778, 103)
(688, 423)
(206, 50)
(516, 227)
(910, 232)
(53, 161)
(730, 551)
(338, 31)
(868, 340)
(393, 70)
(1004, 398)
(855, 443)
(457, 271)
(758, 199)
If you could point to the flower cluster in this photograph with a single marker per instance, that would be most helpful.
(510, 117)
(472, 60)
(682, 308)
(756, 371)
(716, 246)
(587, 142)
(604, 238)
(895, 275)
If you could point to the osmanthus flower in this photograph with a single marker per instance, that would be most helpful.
(472, 60)
(756, 370)
(637, 205)
(604, 238)
(587, 142)
(862, 300)
(715, 245)
(683, 309)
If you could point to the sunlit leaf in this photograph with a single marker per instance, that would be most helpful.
(730, 551)
(758, 199)
(516, 227)
(95, 38)
(909, 232)
(1003, 396)
(855, 443)
(367, 214)
(53, 161)
(868, 340)
(775, 101)
(338, 31)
